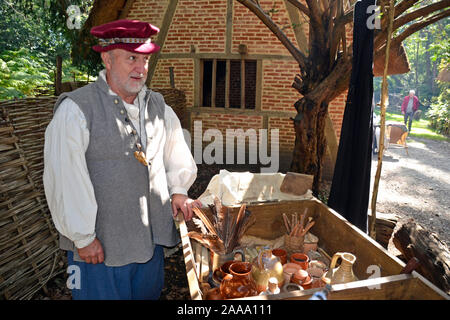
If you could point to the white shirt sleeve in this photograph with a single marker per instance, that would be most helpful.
(68, 188)
(180, 166)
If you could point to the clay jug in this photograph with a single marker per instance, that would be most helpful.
(343, 273)
(239, 283)
(265, 266)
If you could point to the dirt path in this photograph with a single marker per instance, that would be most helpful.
(417, 186)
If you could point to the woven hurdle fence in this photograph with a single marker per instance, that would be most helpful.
(29, 251)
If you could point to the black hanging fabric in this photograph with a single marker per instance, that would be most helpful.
(350, 188)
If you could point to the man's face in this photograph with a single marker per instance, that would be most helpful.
(126, 71)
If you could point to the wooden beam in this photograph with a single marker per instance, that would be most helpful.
(224, 56)
(162, 35)
(229, 27)
(299, 32)
(242, 83)
(248, 112)
(213, 83)
(331, 137)
(259, 82)
(227, 83)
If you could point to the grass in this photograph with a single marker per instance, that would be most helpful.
(419, 129)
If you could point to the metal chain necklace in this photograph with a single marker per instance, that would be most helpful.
(139, 154)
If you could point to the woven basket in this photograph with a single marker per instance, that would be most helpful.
(29, 250)
(293, 244)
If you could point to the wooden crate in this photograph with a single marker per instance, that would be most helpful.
(335, 234)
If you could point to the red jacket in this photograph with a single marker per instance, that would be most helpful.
(405, 103)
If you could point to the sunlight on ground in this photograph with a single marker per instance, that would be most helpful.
(400, 173)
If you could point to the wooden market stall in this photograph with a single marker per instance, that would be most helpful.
(335, 234)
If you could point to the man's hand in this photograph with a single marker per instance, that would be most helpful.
(185, 204)
(92, 253)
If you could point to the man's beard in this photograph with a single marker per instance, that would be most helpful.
(129, 85)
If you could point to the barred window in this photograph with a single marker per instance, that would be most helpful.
(229, 83)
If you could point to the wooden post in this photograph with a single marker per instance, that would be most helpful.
(213, 84)
(384, 93)
(58, 76)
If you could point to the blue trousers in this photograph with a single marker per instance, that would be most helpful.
(135, 281)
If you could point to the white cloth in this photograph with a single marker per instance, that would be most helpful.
(235, 188)
(68, 188)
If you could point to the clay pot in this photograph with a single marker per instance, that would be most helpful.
(214, 294)
(219, 259)
(301, 259)
(310, 242)
(281, 254)
(288, 270)
(301, 277)
(238, 283)
(288, 287)
(317, 268)
(220, 273)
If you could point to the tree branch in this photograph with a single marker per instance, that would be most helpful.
(380, 36)
(295, 52)
(420, 25)
(300, 6)
(412, 29)
(422, 12)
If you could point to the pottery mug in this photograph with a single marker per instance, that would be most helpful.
(281, 254)
(301, 259)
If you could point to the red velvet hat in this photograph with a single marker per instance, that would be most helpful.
(130, 35)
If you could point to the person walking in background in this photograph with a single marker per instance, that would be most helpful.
(409, 106)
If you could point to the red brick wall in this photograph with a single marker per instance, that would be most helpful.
(150, 11)
(277, 92)
(183, 70)
(248, 29)
(199, 22)
(203, 23)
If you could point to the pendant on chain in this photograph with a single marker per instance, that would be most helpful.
(140, 155)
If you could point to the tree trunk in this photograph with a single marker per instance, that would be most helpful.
(310, 142)
(414, 241)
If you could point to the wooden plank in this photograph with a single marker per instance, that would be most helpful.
(197, 250)
(204, 273)
(397, 287)
(188, 254)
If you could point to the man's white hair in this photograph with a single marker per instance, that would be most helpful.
(412, 91)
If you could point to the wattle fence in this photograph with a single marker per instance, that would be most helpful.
(29, 252)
